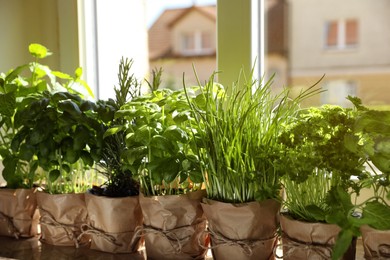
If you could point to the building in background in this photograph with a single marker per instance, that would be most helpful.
(348, 42)
(182, 40)
(185, 38)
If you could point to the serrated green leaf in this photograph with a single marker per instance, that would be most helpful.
(377, 215)
(70, 107)
(87, 105)
(135, 154)
(61, 75)
(196, 176)
(66, 167)
(8, 104)
(38, 50)
(71, 156)
(15, 73)
(54, 175)
(164, 144)
(78, 72)
(175, 134)
(87, 158)
(114, 130)
(26, 152)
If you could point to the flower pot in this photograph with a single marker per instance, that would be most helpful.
(376, 243)
(18, 214)
(242, 231)
(305, 240)
(112, 223)
(62, 216)
(174, 226)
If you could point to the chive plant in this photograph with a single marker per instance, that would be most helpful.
(239, 141)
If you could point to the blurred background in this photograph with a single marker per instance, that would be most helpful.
(347, 42)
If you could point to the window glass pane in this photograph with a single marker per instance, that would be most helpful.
(351, 32)
(188, 40)
(331, 33)
(206, 40)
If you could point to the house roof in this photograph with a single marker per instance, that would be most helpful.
(159, 34)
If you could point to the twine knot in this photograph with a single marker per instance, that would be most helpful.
(70, 230)
(246, 245)
(290, 245)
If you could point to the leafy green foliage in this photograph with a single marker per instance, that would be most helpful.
(159, 139)
(60, 137)
(22, 98)
(239, 144)
(120, 178)
(321, 170)
(373, 143)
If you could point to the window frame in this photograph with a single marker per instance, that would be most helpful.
(341, 34)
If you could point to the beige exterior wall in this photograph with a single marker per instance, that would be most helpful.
(373, 89)
(277, 65)
(173, 70)
(306, 29)
(368, 65)
(187, 24)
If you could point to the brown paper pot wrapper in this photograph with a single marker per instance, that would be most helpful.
(18, 213)
(174, 226)
(112, 223)
(304, 240)
(62, 216)
(376, 243)
(242, 231)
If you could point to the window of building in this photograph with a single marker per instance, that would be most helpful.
(196, 43)
(336, 92)
(341, 34)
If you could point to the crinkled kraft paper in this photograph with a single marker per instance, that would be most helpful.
(112, 223)
(305, 240)
(61, 218)
(18, 215)
(376, 243)
(242, 231)
(174, 226)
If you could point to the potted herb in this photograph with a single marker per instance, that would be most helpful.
(238, 146)
(160, 150)
(114, 212)
(58, 135)
(19, 89)
(373, 143)
(319, 183)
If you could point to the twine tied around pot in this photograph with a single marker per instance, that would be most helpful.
(70, 230)
(382, 252)
(323, 250)
(246, 245)
(175, 241)
(90, 230)
(10, 225)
